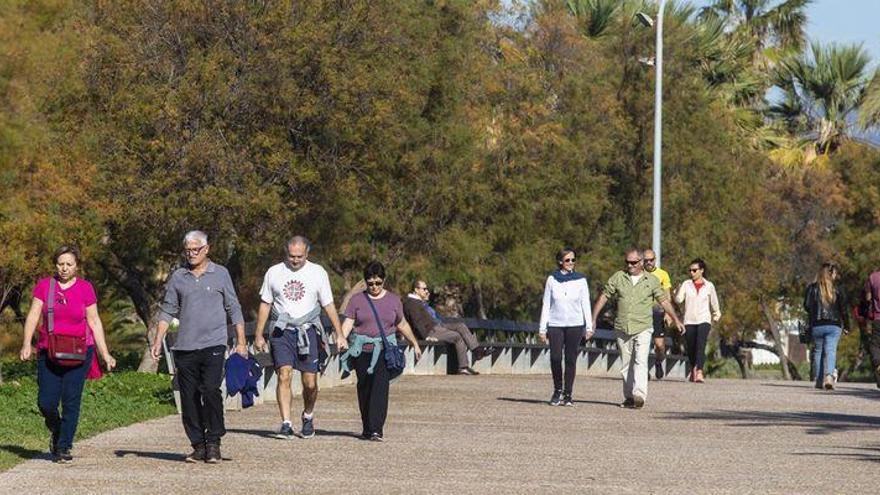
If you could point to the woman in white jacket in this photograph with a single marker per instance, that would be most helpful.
(566, 318)
(701, 309)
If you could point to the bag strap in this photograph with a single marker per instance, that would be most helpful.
(50, 320)
(378, 321)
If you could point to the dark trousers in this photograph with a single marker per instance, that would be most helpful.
(65, 385)
(372, 392)
(872, 345)
(564, 342)
(696, 337)
(199, 376)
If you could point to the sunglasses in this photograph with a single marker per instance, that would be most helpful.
(568, 260)
(650, 260)
(375, 284)
(633, 263)
(694, 270)
(422, 288)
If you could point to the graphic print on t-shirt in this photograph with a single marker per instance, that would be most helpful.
(293, 290)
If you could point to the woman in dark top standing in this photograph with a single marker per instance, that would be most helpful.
(825, 305)
(365, 351)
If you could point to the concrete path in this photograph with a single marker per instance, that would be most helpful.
(495, 434)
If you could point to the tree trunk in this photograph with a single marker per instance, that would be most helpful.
(777, 340)
(481, 309)
(144, 304)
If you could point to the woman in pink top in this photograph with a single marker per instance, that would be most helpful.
(701, 309)
(75, 314)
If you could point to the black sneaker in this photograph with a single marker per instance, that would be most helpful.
(627, 404)
(212, 453)
(63, 456)
(566, 400)
(376, 437)
(197, 455)
(557, 398)
(658, 370)
(308, 427)
(285, 432)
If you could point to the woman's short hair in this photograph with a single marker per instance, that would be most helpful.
(374, 269)
(560, 255)
(66, 249)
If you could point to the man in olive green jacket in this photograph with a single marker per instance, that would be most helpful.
(635, 292)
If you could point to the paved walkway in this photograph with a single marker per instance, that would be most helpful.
(495, 433)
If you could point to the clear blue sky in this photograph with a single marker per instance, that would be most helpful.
(843, 21)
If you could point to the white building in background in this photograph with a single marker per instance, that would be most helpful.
(789, 333)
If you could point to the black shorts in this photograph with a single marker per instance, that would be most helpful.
(659, 323)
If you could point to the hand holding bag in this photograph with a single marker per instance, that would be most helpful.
(64, 350)
(395, 361)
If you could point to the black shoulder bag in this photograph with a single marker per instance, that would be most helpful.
(395, 361)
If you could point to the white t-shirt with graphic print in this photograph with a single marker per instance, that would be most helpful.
(296, 292)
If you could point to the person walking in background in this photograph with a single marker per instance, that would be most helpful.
(365, 348)
(201, 296)
(68, 304)
(701, 309)
(871, 293)
(635, 293)
(659, 316)
(826, 310)
(565, 321)
(425, 322)
(293, 294)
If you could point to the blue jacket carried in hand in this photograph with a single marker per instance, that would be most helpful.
(243, 375)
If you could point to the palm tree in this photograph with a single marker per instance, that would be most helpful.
(595, 16)
(822, 91)
(774, 27)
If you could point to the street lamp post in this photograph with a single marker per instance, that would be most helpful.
(658, 124)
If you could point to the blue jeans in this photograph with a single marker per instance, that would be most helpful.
(825, 338)
(65, 385)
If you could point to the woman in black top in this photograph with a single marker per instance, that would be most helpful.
(825, 305)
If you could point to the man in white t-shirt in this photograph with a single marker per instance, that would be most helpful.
(293, 293)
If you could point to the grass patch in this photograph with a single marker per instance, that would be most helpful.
(118, 399)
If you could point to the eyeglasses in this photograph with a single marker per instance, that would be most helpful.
(649, 260)
(375, 284)
(195, 250)
(569, 260)
(633, 262)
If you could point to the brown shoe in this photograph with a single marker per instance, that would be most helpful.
(638, 401)
(828, 383)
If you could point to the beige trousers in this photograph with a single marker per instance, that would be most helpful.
(634, 362)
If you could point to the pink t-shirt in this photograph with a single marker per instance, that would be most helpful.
(70, 309)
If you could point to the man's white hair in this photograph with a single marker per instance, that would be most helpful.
(195, 235)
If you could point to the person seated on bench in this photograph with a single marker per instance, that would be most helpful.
(427, 325)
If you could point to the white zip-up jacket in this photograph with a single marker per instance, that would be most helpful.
(566, 304)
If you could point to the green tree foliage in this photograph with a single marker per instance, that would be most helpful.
(445, 138)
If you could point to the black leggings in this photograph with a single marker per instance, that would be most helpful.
(568, 338)
(696, 337)
(372, 392)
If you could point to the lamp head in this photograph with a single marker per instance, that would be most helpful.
(644, 19)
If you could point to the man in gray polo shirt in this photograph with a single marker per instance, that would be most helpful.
(201, 296)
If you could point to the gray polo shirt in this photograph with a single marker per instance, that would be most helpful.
(202, 304)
